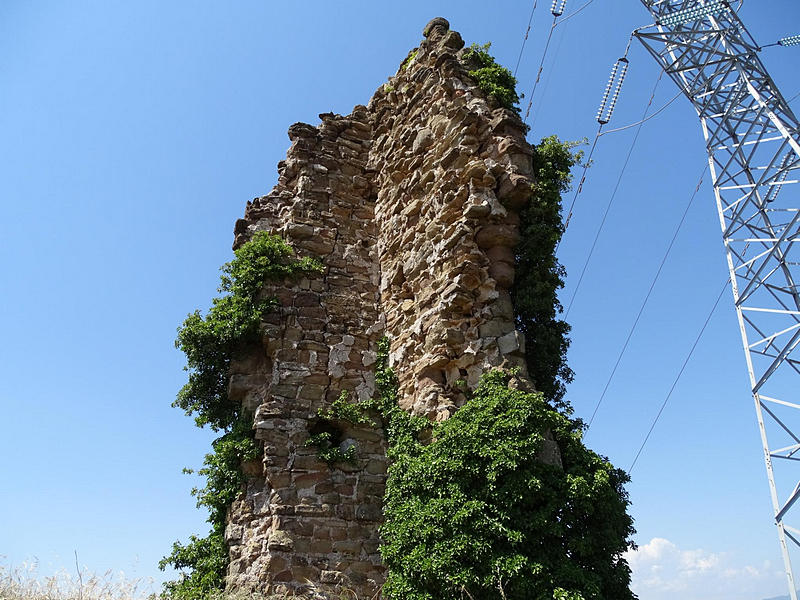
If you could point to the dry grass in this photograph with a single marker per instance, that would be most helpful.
(25, 582)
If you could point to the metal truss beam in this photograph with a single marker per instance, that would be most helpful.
(753, 143)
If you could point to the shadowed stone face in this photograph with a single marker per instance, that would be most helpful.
(411, 203)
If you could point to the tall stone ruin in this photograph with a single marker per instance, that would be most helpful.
(411, 203)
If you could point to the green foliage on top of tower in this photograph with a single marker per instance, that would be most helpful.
(210, 343)
(492, 78)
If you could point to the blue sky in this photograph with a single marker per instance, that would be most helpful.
(133, 135)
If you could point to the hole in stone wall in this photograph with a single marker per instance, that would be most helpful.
(336, 434)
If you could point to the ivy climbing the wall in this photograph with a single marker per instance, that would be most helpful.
(210, 343)
(477, 513)
(539, 275)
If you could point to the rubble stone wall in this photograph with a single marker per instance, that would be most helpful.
(451, 172)
(299, 519)
(411, 205)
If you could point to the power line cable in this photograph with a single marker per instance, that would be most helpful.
(627, 158)
(539, 72)
(680, 373)
(604, 114)
(587, 163)
(655, 114)
(557, 10)
(663, 261)
(556, 23)
(549, 76)
(792, 40)
(575, 12)
(525, 39)
(613, 196)
(647, 297)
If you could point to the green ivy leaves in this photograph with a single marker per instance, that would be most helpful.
(492, 78)
(211, 342)
(474, 512)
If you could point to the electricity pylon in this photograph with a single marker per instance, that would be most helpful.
(752, 138)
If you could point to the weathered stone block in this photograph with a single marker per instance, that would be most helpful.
(352, 547)
(511, 342)
(280, 540)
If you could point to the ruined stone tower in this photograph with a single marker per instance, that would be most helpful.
(411, 203)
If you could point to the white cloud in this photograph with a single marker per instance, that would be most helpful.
(663, 571)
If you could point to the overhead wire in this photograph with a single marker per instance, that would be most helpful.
(601, 133)
(792, 40)
(608, 207)
(556, 22)
(611, 199)
(539, 72)
(536, 113)
(575, 12)
(525, 39)
(586, 164)
(556, 53)
(655, 114)
(604, 114)
(557, 9)
(677, 379)
(619, 179)
(647, 297)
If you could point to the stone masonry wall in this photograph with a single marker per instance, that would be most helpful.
(411, 204)
(452, 169)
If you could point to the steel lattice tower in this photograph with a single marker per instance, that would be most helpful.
(752, 138)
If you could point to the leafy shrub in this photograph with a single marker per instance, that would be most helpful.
(329, 451)
(210, 344)
(492, 78)
(475, 514)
